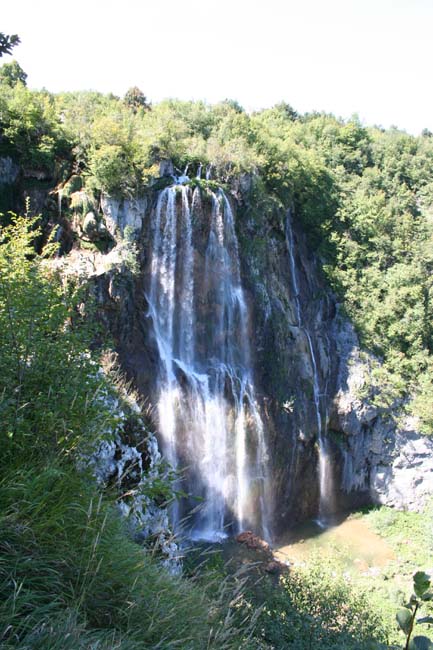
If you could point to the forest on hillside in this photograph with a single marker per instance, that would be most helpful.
(363, 194)
(71, 577)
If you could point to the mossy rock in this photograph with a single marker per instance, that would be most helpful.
(91, 226)
(74, 184)
(81, 200)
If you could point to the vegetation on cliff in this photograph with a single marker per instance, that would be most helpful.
(364, 195)
(70, 576)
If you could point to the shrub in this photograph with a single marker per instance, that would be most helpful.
(47, 379)
(315, 608)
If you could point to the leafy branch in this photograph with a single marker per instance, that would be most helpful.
(406, 616)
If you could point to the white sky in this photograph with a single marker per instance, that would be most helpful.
(371, 57)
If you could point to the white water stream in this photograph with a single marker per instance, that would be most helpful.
(208, 417)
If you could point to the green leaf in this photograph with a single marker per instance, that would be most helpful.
(404, 619)
(420, 643)
(427, 596)
(421, 583)
(425, 619)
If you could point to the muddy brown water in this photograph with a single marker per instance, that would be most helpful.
(351, 542)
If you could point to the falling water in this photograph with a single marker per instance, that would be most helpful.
(326, 486)
(59, 201)
(207, 413)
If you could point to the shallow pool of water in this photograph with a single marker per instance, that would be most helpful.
(350, 542)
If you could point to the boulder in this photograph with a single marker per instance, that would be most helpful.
(253, 542)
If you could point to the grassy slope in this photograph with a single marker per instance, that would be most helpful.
(71, 578)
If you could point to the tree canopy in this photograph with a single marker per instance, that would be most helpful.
(363, 195)
(7, 43)
(12, 73)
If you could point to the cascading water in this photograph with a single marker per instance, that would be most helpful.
(208, 418)
(326, 481)
(59, 201)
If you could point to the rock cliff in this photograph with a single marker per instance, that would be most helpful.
(373, 459)
(309, 373)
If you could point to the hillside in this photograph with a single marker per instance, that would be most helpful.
(220, 321)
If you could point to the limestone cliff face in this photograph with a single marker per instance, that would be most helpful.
(9, 171)
(372, 460)
(392, 462)
(25, 190)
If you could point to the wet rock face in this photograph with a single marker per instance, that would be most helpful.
(8, 171)
(373, 460)
(291, 319)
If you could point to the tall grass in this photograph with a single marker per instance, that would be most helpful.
(71, 578)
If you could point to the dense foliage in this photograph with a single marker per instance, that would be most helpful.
(44, 355)
(317, 608)
(69, 575)
(364, 196)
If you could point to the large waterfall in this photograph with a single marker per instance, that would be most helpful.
(326, 481)
(208, 418)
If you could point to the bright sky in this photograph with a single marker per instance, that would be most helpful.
(371, 57)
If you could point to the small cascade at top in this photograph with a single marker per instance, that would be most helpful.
(326, 479)
(208, 417)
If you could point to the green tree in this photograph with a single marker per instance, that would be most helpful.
(234, 104)
(287, 110)
(135, 99)
(7, 43)
(43, 353)
(12, 73)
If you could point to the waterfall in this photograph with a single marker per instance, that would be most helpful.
(326, 482)
(59, 201)
(208, 418)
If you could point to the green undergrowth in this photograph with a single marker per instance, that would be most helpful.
(71, 578)
(314, 607)
(305, 608)
(332, 599)
(409, 533)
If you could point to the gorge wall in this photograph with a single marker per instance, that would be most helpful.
(283, 356)
(307, 375)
